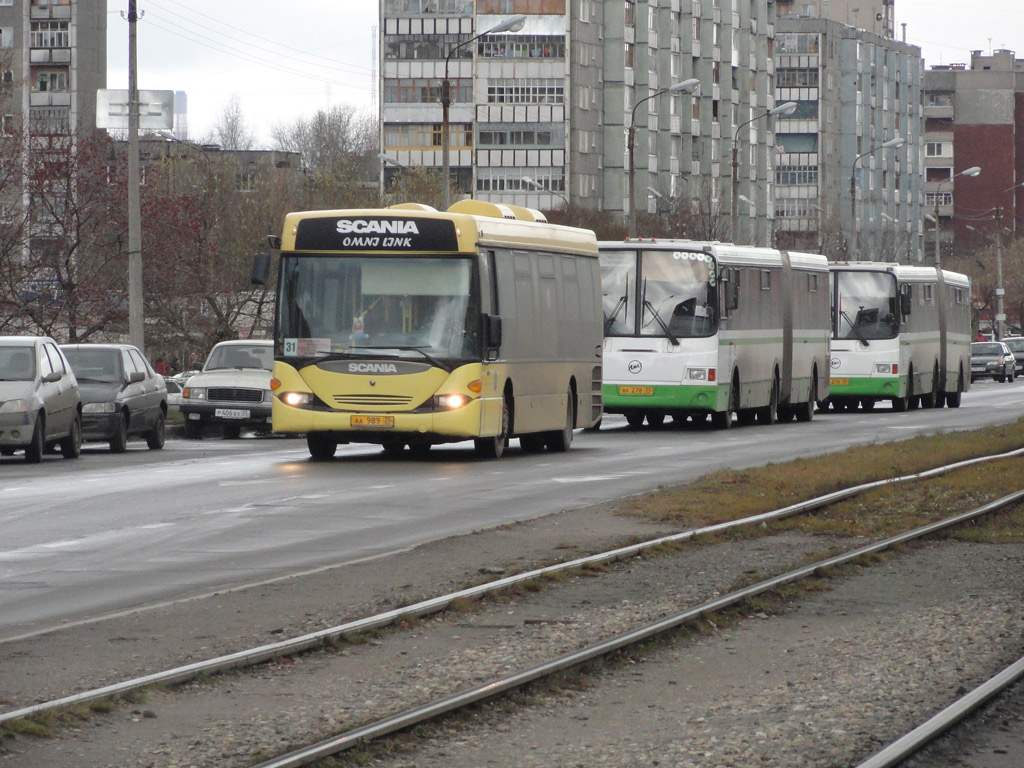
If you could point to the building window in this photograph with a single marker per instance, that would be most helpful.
(797, 78)
(425, 90)
(49, 34)
(934, 149)
(52, 81)
(520, 136)
(6, 37)
(522, 47)
(796, 174)
(526, 91)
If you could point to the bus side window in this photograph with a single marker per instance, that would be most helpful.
(906, 300)
(731, 281)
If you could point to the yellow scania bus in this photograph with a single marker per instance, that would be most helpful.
(408, 327)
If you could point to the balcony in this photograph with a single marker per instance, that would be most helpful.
(50, 56)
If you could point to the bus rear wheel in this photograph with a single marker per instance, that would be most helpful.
(559, 441)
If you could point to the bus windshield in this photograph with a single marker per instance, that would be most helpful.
(378, 306)
(866, 305)
(674, 295)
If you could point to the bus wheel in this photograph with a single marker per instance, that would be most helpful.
(393, 449)
(867, 403)
(953, 398)
(494, 447)
(769, 414)
(321, 447)
(635, 418)
(560, 441)
(931, 399)
(805, 411)
(532, 443)
(723, 419)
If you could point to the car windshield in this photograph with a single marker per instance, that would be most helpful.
(989, 348)
(95, 365)
(17, 363)
(226, 356)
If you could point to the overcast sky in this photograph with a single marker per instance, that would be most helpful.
(285, 59)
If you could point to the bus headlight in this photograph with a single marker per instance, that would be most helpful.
(297, 399)
(449, 402)
(700, 374)
(886, 368)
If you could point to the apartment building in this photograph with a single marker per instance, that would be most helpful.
(974, 118)
(542, 116)
(53, 55)
(845, 184)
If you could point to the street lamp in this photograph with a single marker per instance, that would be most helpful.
(770, 219)
(898, 141)
(686, 86)
(538, 185)
(783, 109)
(972, 171)
(511, 24)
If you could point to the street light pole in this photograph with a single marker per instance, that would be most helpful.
(898, 141)
(538, 185)
(972, 171)
(511, 24)
(783, 109)
(685, 85)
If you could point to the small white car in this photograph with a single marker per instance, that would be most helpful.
(232, 390)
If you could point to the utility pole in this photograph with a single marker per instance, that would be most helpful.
(136, 330)
(1000, 313)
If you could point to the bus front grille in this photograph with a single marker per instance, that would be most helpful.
(373, 400)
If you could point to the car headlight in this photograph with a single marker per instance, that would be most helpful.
(14, 406)
(194, 393)
(98, 407)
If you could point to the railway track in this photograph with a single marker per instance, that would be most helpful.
(523, 674)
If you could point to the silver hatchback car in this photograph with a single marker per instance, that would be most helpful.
(40, 404)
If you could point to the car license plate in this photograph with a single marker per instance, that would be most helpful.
(632, 390)
(231, 413)
(839, 382)
(372, 422)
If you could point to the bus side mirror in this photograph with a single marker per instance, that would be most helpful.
(491, 330)
(905, 304)
(260, 268)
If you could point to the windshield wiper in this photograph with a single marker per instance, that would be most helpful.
(853, 328)
(668, 334)
(430, 358)
(609, 320)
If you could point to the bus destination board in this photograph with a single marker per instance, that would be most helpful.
(376, 233)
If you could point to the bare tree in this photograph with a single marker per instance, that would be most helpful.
(69, 279)
(339, 142)
(231, 130)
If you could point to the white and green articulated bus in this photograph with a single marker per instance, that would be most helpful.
(900, 334)
(704, 329)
